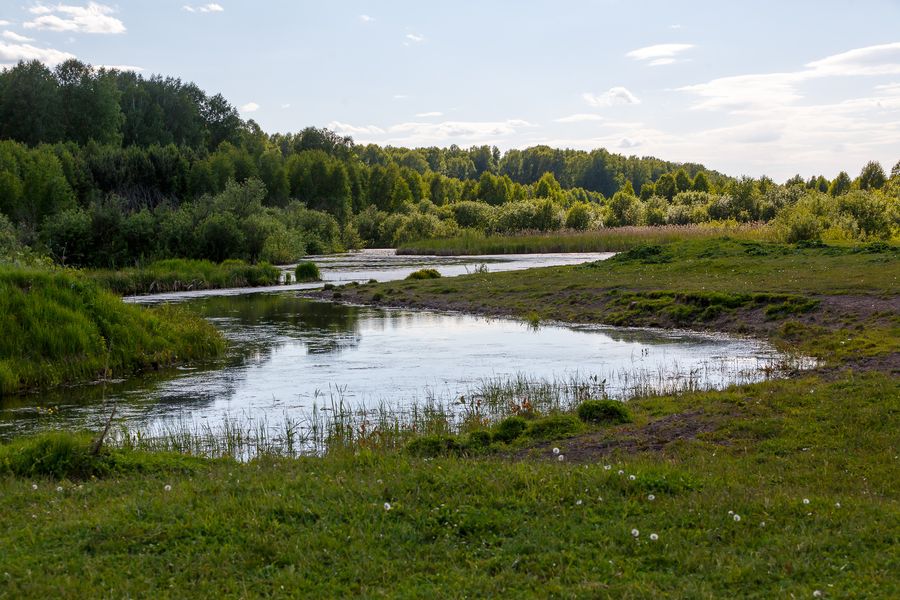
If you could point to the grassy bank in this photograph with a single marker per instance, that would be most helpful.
(616, 239)
(57, 328)
(178, 275)
(807, 465)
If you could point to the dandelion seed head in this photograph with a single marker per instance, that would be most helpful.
(635, 532)
(387, 506)
(556, 451)
(621, 472)
(651, 497)
(654, 537)
(730, 512)
(737, 517)
(806, 501)
(167, 488)
(59, 488)
(632, 477)
(34, 486)
(817, 593)
(561, 457)
(607, 467)
(578, 503)
(837, 504)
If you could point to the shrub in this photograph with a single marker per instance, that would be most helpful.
(553, 427)
(509, 429)
(430, 446)
(479, 439)
(798, 224)
(603, 412)
(424, 274)
(579, 216)
(307, 271)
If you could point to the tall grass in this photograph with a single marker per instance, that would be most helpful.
(57, 327)
(618, 239)
(177, 274)
(334, 424)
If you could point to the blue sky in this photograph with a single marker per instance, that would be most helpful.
(746, 88)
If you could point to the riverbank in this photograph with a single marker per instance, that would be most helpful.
(181, 275)
(780, 488)
(58, 328)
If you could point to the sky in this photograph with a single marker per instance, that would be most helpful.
(748, 88)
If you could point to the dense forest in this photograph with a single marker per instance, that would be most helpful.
(107, 168)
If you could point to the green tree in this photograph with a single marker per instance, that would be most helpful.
(840, 185)
(30, 108)
(666, 186)
(701, 183)
(872, 176)
(683, 182)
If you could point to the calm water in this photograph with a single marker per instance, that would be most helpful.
(288, 353)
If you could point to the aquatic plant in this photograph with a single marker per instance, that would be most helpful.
(307, 271)
(424, 274)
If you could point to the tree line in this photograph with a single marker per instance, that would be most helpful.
(107, 168)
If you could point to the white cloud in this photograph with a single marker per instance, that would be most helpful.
(612, 97)
(658, 51)
(400, 96)
(93, 18)
(579, 118)
(204, 8)
(286, 105)
(418, 134)
(429, 114)
(347, 129)
(415, 37)
(131, 68)
(250, 107)
(4, 23)
(366, 18)
(773, 90)
(659, 54)
(13, 53)
(15, 37)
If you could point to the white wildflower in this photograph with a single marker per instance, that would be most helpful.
(737, 517)
(561, 457)
(387, 506)
(806, 501)
(651, 497)
(635, 532)
(167, 488)
(654, 537)
(556, 451)
(607, 467)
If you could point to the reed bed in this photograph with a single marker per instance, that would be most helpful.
(619, 239)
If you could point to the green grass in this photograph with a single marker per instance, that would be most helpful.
(424, 274)
(307, 271)
(178, 275)
(492, 526)
(617, 239)
(58, 327)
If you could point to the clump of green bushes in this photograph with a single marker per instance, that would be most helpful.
(307, 271)
(424, 274)
(178, 274)
(603, 412)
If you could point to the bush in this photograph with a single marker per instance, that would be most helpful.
(479, 439)
(509, 429)
(307, 271)
(430, 446)
(424, 274)
(579, 216)
(603, 412)
(553, 427)
(798, 224)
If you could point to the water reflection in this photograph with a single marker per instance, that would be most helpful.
(288, 353)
